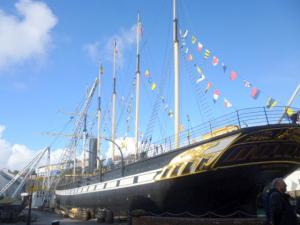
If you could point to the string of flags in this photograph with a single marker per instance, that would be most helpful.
(216, 92)
(215, 61)
(153, 87)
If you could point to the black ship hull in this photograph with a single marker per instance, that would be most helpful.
(228, 178)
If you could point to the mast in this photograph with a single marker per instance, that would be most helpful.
(84, 145)
(137, 104)
(176, 74)
(99, 117)
(113, 135)
(74, 163)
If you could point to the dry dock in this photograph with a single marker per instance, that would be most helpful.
(45, 218)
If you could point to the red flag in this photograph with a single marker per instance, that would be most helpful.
(199, 47)
(255, 93)
(190, 57)
(227, 103)
(216, 95)
(215, 61)
(233, 75)
(208, 86)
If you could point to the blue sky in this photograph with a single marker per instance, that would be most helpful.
(258, 39)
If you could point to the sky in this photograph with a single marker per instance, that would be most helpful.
(50, 53)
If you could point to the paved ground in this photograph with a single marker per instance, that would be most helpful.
(45, 218)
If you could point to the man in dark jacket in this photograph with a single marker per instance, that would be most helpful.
(281, 211)
(266, 203)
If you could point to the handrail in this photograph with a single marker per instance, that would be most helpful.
(242, 118)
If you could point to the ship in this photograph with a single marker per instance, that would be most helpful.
(221, 174)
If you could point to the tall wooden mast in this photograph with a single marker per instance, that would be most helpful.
(100, 73)
(176, 77)
(137, 83)
(113, 119)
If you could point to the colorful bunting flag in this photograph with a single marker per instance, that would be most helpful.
(147, 73)
(166, 107)
(199, 70)
(199, 47)
(208, 86)
(227, 104)
(206, 54)
(224, 67)
(190, 57)
(271, 103)
(216, 95)
(170, 114)
(153, 86)
(185, 34)
(181, 128)
(186, 51)
(255, 93)
(247, 84)
(233, 75)
(194, 39)
(149, 80)
(289, 111)
(201, 78)
(215, 61)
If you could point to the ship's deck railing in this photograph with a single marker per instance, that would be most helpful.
(243, 118)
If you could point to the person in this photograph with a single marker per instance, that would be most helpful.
(266, 203)
(281, 212)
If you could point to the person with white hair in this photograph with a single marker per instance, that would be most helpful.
(281, 211)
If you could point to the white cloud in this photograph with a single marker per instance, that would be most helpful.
(125, 39)
(55, 155)
(13, 156)
(127, 145)
(17, 156)
(2, 129)
(93, 50)
(26, 35)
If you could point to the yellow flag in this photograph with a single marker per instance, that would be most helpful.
(181, 128)
(206, 54)
(199, 70)
(147, 73)
(289, 111)
(123, 144)
(153, 86)
(194, 39)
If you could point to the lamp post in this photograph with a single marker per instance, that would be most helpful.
(121, 153)
(32, 178)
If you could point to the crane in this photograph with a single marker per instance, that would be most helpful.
(76, 134)
(25, 172)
